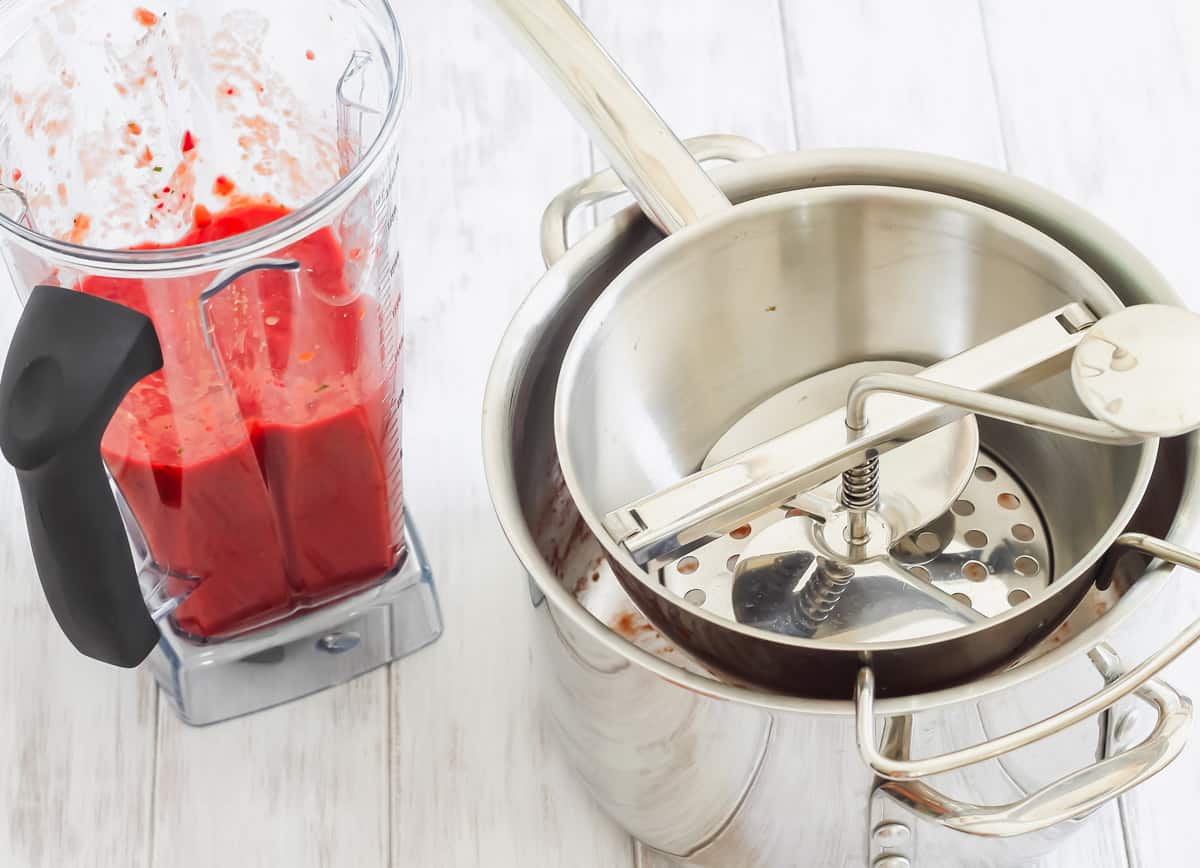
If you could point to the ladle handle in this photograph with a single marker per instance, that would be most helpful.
(664, 178)
(1078, 792)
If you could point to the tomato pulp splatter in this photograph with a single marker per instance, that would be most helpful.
(265, 478)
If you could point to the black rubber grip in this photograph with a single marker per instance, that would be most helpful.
(73, 359)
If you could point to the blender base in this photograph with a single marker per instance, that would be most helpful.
(327, 646)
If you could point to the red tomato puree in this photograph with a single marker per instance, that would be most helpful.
(266, 467)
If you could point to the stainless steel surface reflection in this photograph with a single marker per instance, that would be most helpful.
(716, 774)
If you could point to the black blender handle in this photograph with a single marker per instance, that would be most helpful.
(72, 360)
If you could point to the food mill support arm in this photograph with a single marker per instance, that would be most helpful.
(686, 514)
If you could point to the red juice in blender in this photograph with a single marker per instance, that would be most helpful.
(262, 474)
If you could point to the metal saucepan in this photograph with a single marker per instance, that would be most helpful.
(716, 774)
(642, 426)
(742, 302)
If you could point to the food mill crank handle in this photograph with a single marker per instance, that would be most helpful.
(1137, 371)
(1077, 793)
(685, 515)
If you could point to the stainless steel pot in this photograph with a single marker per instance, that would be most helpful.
(719, 775)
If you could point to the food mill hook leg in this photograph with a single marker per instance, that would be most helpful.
(1138, 678)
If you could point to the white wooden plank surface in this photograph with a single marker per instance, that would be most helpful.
(705, 70)
(1099, 103)
(476, 780)
(304, 784)
(76, 737)
(443, 761)
(897, 75)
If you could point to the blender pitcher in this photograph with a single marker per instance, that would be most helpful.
(202, 397)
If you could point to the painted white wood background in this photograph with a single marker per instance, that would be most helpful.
(442, 760)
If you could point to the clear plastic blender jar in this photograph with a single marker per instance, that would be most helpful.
(197, 207)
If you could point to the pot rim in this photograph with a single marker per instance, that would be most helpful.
(1099, 246)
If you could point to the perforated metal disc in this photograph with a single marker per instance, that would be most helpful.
(990, 551)
(783, 583)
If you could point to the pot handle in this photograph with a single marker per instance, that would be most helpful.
(606, 184)
(1075, 794)
(1069, 797)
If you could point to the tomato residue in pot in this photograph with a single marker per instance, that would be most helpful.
(265, 474)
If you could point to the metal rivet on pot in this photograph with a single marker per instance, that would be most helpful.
(891, 835)
(891, 862)
(336, 643)
(1126, 725)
